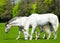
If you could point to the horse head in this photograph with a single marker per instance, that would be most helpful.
(7, 27)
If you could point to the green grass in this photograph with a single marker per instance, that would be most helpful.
(11, 36)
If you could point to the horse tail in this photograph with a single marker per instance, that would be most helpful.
(57, 23)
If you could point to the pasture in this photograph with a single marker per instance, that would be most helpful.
(12, 34)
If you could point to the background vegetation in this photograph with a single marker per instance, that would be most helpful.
(13, 8)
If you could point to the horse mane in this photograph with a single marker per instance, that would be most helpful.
(11, 20)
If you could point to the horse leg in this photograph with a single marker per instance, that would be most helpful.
(49, 32)
(18, 36)
(38, 35)
(44, 36)
(26, 32)
(49, 35)
(33, 29)
(55, 25)
(20, 29)
(47, 29)
(55, 30)
(55, 36)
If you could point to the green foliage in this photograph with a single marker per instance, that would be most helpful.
(57, 7)
(2, 2)
(27, 7)
(44, 6)
(47, 1)
(33, 8)
(1, 6)
(16, 9)
(5, 10)
(24, 9)
(1, 10)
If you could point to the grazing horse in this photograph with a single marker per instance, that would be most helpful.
(17, 21)
(41, 20)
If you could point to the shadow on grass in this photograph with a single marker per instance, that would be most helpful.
(24, 39)
(13, 39)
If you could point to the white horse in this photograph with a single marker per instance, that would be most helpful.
(33, 20)
(41, 20)
(17, 21)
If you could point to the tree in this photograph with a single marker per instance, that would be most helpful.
(6, 8)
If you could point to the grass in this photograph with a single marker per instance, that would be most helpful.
(11, 36)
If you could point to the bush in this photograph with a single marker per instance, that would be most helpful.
(5, 11)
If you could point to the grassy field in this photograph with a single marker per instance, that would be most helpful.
(11, 36)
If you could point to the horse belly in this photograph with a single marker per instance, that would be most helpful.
(42, 21)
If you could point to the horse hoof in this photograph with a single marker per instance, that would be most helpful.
(48, 38)
(36, 39)
(17, 38)
(30, 39)
(43, 37)
(54, 38)
(26, 38)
